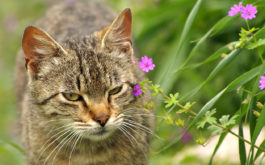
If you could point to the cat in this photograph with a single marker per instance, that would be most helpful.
(74, 81)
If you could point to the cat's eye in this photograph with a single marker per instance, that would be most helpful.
(72, 96)
(115, 90)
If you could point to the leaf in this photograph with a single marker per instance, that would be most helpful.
(225, 121)
(221, 24)
(262, 145)
(214, 56)
(155, 88)
(172, 101)
(254, 45)
(215, 130)
(215, 71)
(167, 70)
(207, 119)
(221, 138)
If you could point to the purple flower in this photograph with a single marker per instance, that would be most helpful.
(137, 90)
(146, 64)
(248, 12)
(262, 82)
(235, 9)
(186, 137)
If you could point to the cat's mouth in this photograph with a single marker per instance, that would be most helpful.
(98, 135)
(100, 132)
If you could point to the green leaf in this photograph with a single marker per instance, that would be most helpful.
(225, 121)
(207, 119)
(221, 24)
(167, 70)
(215, 130)
(221, 138)
(262, 145)
(155, 88)
(215, 71)
(254, 45)
(260, 124)
(172, 101)
(241, 143)
(214, 56)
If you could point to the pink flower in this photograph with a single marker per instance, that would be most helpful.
(146, 64)
(137, 90)
(248, 12)
(235, 9)
(262, 82)
(186, 137)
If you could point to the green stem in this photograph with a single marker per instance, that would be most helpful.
(240, 137)
(259, 53)
(247, 25)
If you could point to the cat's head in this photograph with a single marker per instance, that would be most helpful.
(85, 83)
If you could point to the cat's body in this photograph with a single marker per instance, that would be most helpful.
(75, 97)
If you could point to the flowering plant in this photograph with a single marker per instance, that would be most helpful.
(250, 38)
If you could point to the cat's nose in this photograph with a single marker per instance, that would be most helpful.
(102, 119)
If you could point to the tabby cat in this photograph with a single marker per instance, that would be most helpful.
(75, 94)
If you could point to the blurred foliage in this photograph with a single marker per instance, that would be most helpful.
(157, 27)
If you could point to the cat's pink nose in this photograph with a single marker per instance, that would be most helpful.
(102, 119)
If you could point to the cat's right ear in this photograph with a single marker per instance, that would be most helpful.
(38, 45)
(118, 34)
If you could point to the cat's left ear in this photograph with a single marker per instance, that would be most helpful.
(38, 46)
(119, 32)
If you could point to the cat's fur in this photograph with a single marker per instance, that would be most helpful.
(83, 52)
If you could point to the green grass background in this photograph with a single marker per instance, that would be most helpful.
(157, 26)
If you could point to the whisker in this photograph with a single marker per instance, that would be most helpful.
(138, 135)
(140, 126)
(62, 132)
(78, 137)
(57, 147)
(130, 134)
(125, 133)
(69, 140)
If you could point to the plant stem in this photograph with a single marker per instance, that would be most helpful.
(240, 137)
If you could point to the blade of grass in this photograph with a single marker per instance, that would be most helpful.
(252, 122)
(216, 70)
(241, 143)
(225, 49)
(262, 145)
(221, 24)
(168, 68)
(221, 139)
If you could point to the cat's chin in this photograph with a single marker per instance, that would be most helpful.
(99, 136)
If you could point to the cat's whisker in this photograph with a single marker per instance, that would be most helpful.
(61, 142)
(128, 132)
(61, 133)
(140, 126)
(78, 137)
(140, 114)
(138, 135)
(69, 140)
(52, 130)
(122, 129)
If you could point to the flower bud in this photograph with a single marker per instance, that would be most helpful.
(259, 105)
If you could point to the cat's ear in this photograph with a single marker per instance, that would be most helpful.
(38, 45)
(119, 32)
